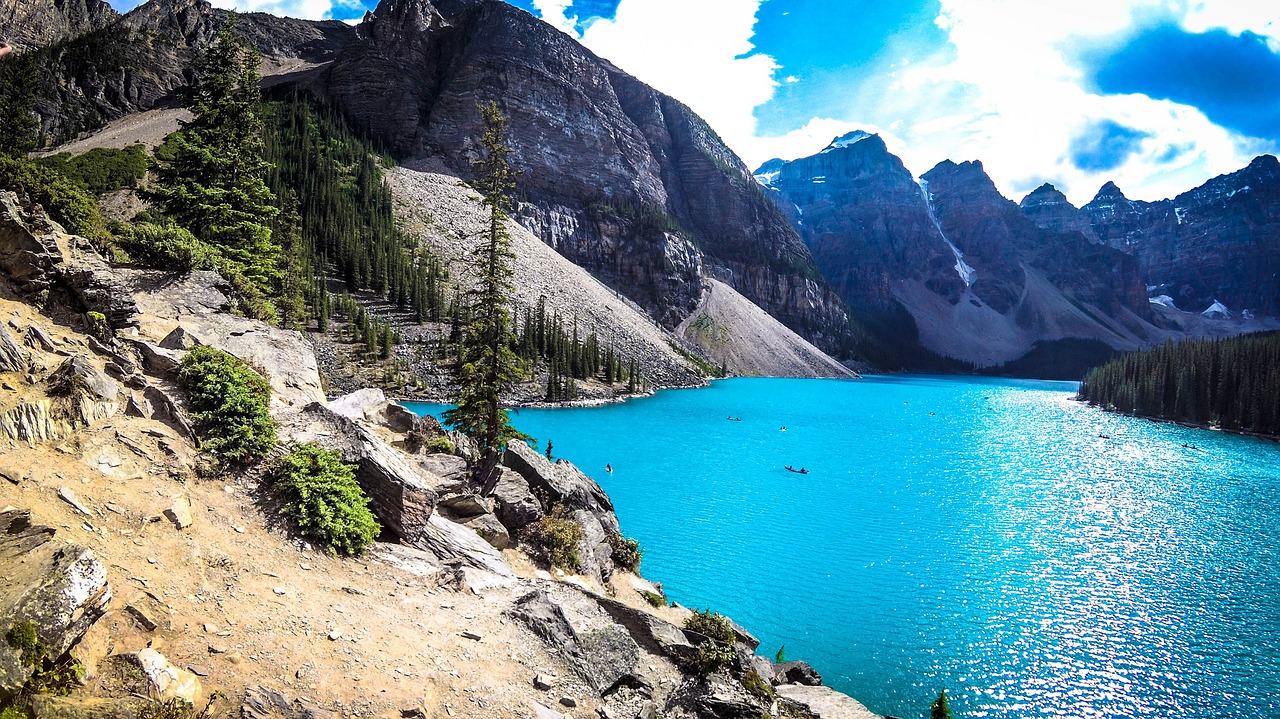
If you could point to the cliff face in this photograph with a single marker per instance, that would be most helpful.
(36, 23)
(624, 181)
(981, 281)
(135, 62)
(1217, 243)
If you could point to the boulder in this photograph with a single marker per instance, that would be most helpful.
(87, 393)
(742, 635)
(198, 304)
(403, 496)
(449, 468)
(595, 554)
(161, 679)
(653, 633)
(561, 483)
(60, 588)
(30, 249)
(465, 505)
(12, 357)
(179, 513)
(371, 405)
(824, 702)
(179, 339)
(516, 506)
(797, 672)
(490, 530)
(157, 360)
(716, 697)
(601, 656)
(448, 541)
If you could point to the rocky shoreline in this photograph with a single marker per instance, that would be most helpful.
(189, 585)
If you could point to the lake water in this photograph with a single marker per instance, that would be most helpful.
(973, 534)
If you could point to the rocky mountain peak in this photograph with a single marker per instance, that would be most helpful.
(1109, 193)
(1044, 195)
(40, 23)
(1049, 209)
(968, 181)
(849, 139)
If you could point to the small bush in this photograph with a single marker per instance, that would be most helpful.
(708, 623)
(757, 687)
(101, 169)
(164, 246)
(441, 445)
(626, 552)
(556, 537)
(99, 328)
(50, 675)
(712, 656)
(654, 598)
(231, 404)
(67, 203)
(322, 496)
(13, 712)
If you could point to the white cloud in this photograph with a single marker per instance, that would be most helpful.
(304, 9)
(698, 52)
(555, 13)
(1006, 91)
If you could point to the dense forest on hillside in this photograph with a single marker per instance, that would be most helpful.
(1232, 383)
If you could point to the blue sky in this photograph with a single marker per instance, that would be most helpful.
(1157, 95)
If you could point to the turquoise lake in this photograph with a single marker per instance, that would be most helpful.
(1034, 556)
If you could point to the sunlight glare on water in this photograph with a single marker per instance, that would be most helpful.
(1034, 556)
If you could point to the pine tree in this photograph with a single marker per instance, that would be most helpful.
(487, 366)
(939, 709)
(19, 128)
(293, 272)
(211, 177)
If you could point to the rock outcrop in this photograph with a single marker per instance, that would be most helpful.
(402, 496)
(37, 23)
(59, 588)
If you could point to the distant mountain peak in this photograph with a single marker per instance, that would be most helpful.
(1043, 196)
(1109, 192)
(849, 139)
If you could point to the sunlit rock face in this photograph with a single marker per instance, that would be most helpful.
(621, 179)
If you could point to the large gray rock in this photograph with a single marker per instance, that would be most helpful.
(450, 542)
(263, 703)
(60, 588)
(652, 633)
(488, 528)
(601, 655)
(561, 483)
(797, 672)
(371, 404)
(198, 304)
(12, 357)
(825, 702)
(403, 496)
(517, 507)
(86, 392)
(37, 254)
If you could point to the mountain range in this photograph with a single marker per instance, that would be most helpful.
(846, 247)
(981, 279)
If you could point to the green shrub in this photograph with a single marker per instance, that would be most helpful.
(98, 326)
(101, 169)
(50, 675)
(66, 202)
(708, 623)
(757, 687)
(712, 656)
(626, 552)
(164, 246)
(556, 537)
(322, 496)
(13, 712)
(231, 404)
(441, 445)
(654, 598)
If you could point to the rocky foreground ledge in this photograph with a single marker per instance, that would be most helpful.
(166, 578)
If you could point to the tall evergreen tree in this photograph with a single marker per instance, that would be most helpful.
(19, 128)
(487, 365)
(939, 709)
(210, 177)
